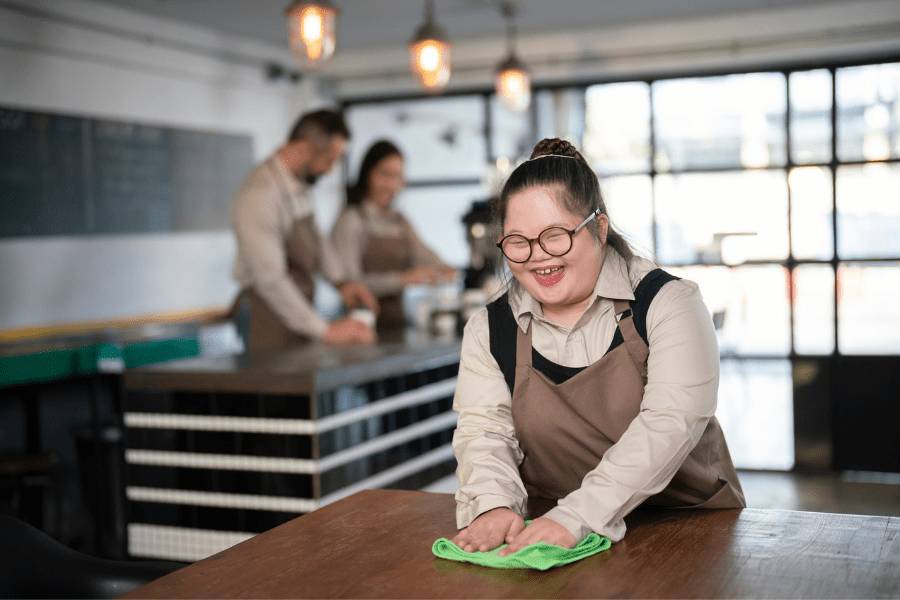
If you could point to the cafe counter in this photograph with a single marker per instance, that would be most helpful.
(221, 448)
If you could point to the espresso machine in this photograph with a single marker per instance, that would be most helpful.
(481, 280)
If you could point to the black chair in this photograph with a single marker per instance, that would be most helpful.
(34, 565)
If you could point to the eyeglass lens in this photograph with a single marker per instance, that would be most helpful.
(555, 241)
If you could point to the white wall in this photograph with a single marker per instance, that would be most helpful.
(89, 60)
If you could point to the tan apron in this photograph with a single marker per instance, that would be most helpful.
(385, 254)
(564, 430)
(265, 329)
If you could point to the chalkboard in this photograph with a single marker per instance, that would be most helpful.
(65, 175)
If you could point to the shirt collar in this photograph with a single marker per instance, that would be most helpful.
(292, 184)
(613, 284)
(369, 210)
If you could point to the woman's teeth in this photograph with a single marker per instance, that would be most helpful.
(547, 271)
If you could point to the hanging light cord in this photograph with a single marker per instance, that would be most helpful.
(429, 12)
(508, 10)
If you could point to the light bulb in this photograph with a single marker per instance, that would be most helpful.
(514, 86)
(312, 32)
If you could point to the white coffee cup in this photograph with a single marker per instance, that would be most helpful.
(445, 323)
(365, 315)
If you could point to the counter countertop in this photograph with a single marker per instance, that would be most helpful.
(303, 369)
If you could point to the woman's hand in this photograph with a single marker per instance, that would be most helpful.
(490, 530)
(539, 530)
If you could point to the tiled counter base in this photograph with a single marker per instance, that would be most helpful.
(211, 462)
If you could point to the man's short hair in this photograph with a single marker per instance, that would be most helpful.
(319, 127)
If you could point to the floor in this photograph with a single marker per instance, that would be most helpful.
(849, 492)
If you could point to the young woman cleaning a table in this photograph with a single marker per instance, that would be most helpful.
(593, 381)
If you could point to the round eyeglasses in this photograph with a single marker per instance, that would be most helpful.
(555, 241)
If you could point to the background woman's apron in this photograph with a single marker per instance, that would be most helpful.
(384, 254)
(564, 430)
(264, 329)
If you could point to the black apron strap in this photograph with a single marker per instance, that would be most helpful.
(502, 326)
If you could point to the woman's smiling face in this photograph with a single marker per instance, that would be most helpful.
(386, 180)
(562, 284)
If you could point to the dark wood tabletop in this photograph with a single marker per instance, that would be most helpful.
(377, 544)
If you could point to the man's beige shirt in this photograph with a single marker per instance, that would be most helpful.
(263, 212)
(679, 399)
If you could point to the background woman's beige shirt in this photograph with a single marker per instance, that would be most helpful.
(679, 399)
(351, 233)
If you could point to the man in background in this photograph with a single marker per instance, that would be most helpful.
(279, 248)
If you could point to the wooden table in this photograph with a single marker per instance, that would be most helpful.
(377, 544)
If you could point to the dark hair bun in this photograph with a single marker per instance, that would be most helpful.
(548, 146)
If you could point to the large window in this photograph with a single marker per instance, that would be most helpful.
(777, 192)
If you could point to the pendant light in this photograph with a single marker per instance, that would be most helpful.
(312, 32)
(429, 53)
(513, 80)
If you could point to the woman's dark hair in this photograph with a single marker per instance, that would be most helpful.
(560, 167)
(377, 153)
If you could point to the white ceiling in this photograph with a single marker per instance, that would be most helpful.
(382, 23)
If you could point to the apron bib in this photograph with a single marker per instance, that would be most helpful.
(265, 329)
(384, 254)
(564, 430)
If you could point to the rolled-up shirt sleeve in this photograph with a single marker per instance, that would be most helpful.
(332, 267)
(423, 256)
(487, 452)
(679, 400)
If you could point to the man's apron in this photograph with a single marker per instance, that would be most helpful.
(564, 430)
(265, 329)
(384, 254)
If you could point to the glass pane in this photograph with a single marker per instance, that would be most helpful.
(629, 200)
(560, 113)
(441, 138)
(868, 112)
(810, 116)
(814, 309)
(726, 217)
(868, 205)
(732, 121)
(868, 310)
(812, 228)
(749, 307)
(715, 286)
(757, 396)
(617, 134)
(445, 235)
(510, 133)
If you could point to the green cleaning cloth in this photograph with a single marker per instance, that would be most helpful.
(540, 556)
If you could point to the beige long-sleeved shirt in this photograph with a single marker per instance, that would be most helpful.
(263, 212)
(679, 399)
(352, 231)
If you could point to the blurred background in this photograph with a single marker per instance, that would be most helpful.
(751, 146)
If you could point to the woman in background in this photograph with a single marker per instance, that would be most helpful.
(377, 243)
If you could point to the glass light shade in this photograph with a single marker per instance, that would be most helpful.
(430, 62)
(312, 32)
(514, 85)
